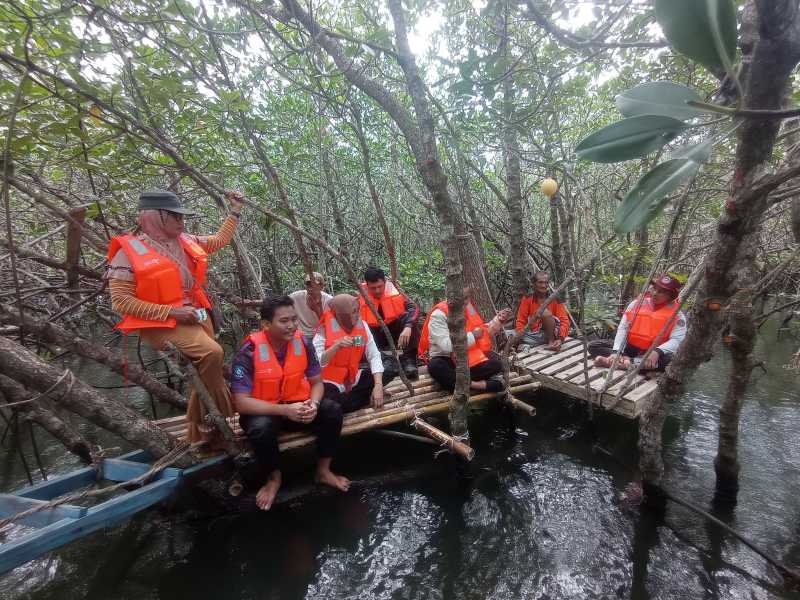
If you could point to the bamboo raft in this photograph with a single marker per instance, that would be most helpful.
(401, 407)
(563, 371)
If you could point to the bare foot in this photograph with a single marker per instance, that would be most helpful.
(266, 495)
(328, 477)
(602, 361)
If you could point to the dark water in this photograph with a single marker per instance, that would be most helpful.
(545, 516)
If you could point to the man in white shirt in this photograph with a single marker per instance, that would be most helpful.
(352, 366)
(310, 303)
(484, 364)
(655, 318)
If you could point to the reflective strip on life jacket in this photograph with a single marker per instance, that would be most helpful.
(343, 367)
(392, 305)
(158, 279)
(647, 323)
(273, 382)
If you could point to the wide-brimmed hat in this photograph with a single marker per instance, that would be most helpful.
(668, 283)
(162, 200)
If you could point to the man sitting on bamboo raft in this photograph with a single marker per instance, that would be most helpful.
(483, 363)
(276, 387)
(352, 368)
(310, 303)
(657, 317)
(553, 326)
(157, 281)
(400, 314)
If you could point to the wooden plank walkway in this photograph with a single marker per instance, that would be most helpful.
(563, 371)
(428, 398)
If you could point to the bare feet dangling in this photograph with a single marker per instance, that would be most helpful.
(266, 495)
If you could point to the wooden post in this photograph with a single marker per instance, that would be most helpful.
(215, 417)
(452, 444)
(74, 244)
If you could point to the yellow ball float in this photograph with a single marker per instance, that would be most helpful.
(549, 187)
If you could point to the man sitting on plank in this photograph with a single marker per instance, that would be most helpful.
(483, 363)
(658, 316)
(277, 386)
(400, 315)
(310, 303)
(352, 368)
(553, 326)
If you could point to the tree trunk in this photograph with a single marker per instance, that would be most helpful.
(35, 411)
(743, 338)
(54, 334)
(774, 57)
(76, 396)
(555, 242)
(73, 257)
(373, 194)
(516, 230)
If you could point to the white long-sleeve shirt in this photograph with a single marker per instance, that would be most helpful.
(669, 346)
(371, 352)
(439, 335)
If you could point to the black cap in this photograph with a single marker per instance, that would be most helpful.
(162, 200)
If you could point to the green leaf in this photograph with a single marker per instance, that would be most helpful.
(649, 196)
(703, 30)
(659, 98)
(629, 138)
(699, 153)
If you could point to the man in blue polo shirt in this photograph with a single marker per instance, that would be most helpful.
(277, 385)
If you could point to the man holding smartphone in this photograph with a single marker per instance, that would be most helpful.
(277, 386)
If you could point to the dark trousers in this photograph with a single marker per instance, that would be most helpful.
(409, 355)
(443, 370)
(358, 396)
(262, 432)
(606, 348)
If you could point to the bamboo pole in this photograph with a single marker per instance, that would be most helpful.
(455, 446)
(512, 402)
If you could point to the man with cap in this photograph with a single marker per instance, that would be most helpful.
(655, 318)
(157, 281)
(310, 303)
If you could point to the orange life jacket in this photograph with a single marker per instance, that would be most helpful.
(343, 367)
(647, 323)
(476, 354)
(158, 279)
(392, 305)
(273, 382)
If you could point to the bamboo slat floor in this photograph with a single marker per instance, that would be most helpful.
(400, 407)
(563, 371)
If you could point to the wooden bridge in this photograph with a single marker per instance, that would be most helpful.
(566, 372)
(400, 407)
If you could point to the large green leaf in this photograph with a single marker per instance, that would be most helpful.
(703, 30)
(649, 196)
(659, 98)
(629, 138)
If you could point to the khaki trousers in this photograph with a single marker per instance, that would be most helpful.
(197, 343)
